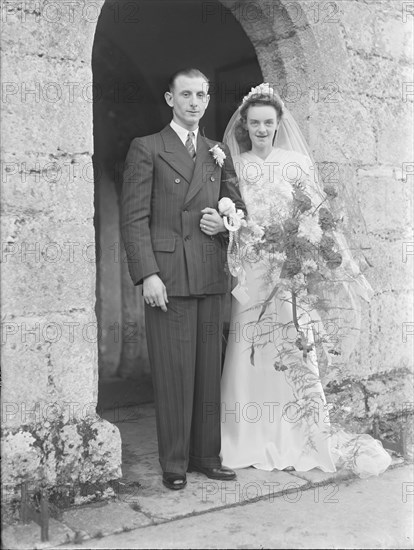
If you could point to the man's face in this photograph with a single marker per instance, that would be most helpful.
(189, 100)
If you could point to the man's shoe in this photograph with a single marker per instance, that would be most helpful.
(174, 481)
(222, 473)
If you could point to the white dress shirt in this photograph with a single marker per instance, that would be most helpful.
(183, 133)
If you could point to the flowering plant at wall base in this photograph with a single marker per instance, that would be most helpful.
(55, 454)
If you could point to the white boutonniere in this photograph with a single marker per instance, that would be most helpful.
(218, 155)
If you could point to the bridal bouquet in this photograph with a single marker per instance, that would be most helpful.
(301, 254)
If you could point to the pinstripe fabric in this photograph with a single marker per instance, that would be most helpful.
(184, 346)
(163, 194)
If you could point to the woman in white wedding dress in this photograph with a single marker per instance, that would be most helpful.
(274, 413)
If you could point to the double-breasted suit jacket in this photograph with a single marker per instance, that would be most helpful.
(163, 194)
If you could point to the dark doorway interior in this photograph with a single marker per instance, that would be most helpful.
(138, 44)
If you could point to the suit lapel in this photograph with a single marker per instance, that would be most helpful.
(199, 176)
(176, 154)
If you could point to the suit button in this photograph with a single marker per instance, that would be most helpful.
(186, 211)
(187, 238)
(212, 178)
(177, 180)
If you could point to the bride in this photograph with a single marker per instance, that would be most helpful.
(274, 412)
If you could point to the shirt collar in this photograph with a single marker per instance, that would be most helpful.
(182, 132)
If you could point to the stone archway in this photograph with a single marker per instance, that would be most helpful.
(266, 30)
(49, 321)
(120, 72)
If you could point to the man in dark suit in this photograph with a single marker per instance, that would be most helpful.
(176, 246)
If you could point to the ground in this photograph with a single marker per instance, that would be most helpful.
(258, 510)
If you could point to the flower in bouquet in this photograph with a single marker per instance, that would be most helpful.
(326, 220)
(256, 230)
(302, 344)
(291, 226)
(309, 266)
(233, 219)
(226, 206)
(310, 229)
(330, 191)
(292, 265)
(332, 258)
(301, 200)
(273, 234)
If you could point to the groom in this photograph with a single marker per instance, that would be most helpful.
(176, 247)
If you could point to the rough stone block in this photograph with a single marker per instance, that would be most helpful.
(108, 518)
(57, 357)
(54, 91)
(61, 28)
(357, 22)
(51, 264)
(391, 262)
(331, 136)
(395, 134)
(392, 330)
(385, 201)
(61, 186)
(27, 537)
(393, 35)
(373, 77)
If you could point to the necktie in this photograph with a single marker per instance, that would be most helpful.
(190, 145)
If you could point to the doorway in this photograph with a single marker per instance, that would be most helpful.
(138, 44)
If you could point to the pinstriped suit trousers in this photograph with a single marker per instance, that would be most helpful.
(184, 346)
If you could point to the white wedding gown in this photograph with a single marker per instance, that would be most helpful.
(273, 419)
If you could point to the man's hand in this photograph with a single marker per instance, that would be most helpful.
(211, 223)
(154, 291)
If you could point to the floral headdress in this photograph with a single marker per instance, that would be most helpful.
(262, 89)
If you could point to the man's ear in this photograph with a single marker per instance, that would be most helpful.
(207, 100)
(169, 99)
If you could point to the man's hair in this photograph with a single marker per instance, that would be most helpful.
(192, 73)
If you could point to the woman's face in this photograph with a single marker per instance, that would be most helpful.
(261, 123)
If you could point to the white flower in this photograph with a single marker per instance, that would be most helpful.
(226, 206)
(232, 219)
(218, 155)
(310, 229)
(256, 229)
(21, 459)
(262, 89)
(308, 266)
(279, 257)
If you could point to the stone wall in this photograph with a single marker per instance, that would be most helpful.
(49, 330)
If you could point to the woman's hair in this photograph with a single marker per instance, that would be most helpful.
(259, 99)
